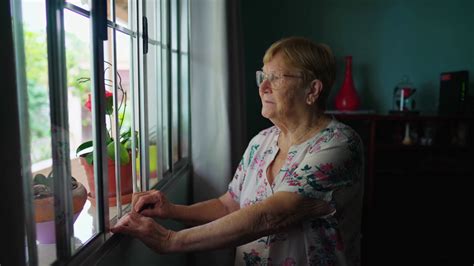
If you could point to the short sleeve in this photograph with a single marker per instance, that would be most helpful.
(336, 162)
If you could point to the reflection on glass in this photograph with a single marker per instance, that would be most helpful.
(34, 30)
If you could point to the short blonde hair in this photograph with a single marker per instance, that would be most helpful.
(314, 60)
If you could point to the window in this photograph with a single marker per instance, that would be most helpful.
(120, 74)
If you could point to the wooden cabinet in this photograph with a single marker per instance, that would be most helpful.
(417, 185)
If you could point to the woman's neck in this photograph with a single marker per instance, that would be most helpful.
(298, 131)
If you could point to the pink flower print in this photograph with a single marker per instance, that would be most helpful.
(260, 173)
(326, 167)
(321, 175)
(246, 203)
(291, 155)
(314, 148)
(294, 166)
(261, 190)
(293, 183)
(254, 253)
(289, 262)
(233, 195)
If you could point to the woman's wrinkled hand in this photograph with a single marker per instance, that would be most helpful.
(147, 230)
(152, 204)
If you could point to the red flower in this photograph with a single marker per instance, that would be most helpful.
(88, 105)
(407, 92)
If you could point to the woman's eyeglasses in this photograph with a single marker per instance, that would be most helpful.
(271, 77)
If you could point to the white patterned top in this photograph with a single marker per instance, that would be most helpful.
(328, 166)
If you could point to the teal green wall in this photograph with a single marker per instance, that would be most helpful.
(387, 39)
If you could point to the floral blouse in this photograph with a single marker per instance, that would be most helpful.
(328, 166)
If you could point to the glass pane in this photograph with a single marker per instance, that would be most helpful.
(164, 22)
(174, 82)
(154, 115)
(165, 71)
(184, 80)
(121, 12)
(151, 9)
(184, 106)
(120, 162)
(184, 27)
(174, 25)
(165, 113)
(78, 67)
(174, 106)
(80, 3)
(34, 29)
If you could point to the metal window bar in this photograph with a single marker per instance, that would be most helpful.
(112, 24)
(118, 189)
(143, 103)
(162, 164)
(169, 85)
(99, 35)
(159, 88)
(178, 83)
(59, 129)
(134, 84)
(185, 108)
(138, 83)
(164, 127)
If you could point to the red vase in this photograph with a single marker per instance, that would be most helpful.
(347, 98)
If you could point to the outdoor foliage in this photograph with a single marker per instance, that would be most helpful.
(38, 87)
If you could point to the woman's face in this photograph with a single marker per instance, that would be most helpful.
(281, 93)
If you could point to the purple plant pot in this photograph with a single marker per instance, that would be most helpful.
(45, 232)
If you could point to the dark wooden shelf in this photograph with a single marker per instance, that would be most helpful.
(402, 179)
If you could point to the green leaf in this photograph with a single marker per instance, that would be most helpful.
(89, 158)
(124, 156)
(109, 105)
(83, 146)
(40, 179)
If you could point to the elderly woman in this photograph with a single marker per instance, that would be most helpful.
(296, 196)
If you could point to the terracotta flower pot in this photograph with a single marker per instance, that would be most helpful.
(125, 181)
(44, 214)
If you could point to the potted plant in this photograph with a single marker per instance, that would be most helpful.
(43, 195)
(85, 150)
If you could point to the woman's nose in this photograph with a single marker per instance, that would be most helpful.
(265, 86)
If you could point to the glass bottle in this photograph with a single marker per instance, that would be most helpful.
(402, 96)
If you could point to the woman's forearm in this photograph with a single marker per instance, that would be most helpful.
(230, 230)
(199, 213)
(247, 224)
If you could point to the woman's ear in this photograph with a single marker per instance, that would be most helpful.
(315, 90)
